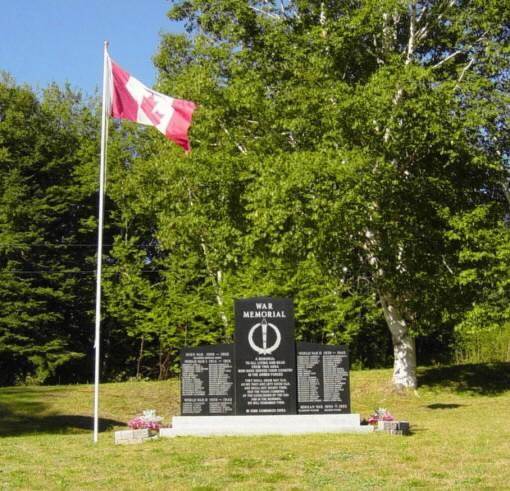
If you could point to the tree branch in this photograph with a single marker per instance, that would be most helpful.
(459, 51)
(269, 14)
(412, 34)
(466, 68)
(424, 30)
(238, 145)
(444, 60)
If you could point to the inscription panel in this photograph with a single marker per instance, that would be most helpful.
(265, 357)
(322, 379)
(207, 387)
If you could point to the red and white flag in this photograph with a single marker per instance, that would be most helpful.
(130, 99)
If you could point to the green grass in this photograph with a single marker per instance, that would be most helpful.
(460, 440)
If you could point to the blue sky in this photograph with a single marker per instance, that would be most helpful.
(62, 40)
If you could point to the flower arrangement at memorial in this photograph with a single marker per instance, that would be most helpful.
(148, 421)
(139, 423)
(381, 414)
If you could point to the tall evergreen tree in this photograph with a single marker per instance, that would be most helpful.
(46, 145)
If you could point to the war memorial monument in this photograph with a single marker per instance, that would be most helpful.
(264, 383)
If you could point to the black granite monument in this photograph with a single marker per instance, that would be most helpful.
(323, 379)
(207, 380)
(265, 357)
(264, 372)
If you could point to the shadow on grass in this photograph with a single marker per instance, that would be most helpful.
(414, 429)
(25, 410)
(482, 379)
(14, 425)
(440, 405)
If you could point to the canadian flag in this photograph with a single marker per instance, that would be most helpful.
(130, 99)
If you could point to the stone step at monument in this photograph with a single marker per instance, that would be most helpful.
(292, 424)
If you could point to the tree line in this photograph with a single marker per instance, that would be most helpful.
(351, 155)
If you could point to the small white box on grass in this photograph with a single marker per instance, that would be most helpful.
(125, 437)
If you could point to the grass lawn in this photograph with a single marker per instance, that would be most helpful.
(460, 440)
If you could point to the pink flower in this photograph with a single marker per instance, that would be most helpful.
(139, 423)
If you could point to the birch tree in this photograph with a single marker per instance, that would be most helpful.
(364, 126)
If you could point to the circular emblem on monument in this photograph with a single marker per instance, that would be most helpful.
(264, 349)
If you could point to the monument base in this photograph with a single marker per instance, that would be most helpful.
(264, 425)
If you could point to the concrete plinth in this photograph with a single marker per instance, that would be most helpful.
(125, 437)
(264, 425)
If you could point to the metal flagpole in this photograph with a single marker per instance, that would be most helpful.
(104, 137)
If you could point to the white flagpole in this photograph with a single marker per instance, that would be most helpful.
(104, 137)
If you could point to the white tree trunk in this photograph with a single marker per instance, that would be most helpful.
(404, 348)
(219, 299)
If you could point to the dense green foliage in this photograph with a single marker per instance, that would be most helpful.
(47, 197)
(350, 155)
